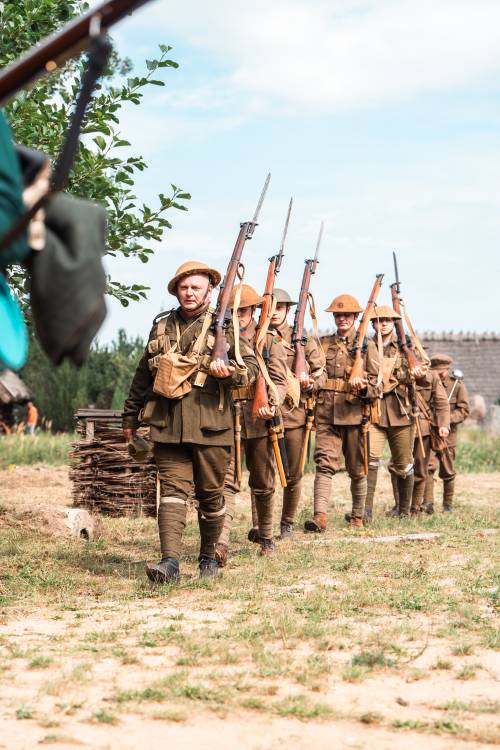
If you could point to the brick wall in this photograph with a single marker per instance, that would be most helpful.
(477, 355)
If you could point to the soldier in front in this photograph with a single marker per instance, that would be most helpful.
(339, 413)
(185, 399)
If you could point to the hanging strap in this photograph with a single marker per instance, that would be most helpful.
(240, 272)
(314, 318)
(416, 341)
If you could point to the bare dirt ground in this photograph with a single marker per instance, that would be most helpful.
(332, 644)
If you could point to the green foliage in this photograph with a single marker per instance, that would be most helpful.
(103, 381)
(44, 448)
(104, 170)
(478, 451)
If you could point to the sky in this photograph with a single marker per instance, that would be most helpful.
(380, 117)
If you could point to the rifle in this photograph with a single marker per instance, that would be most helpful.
(260, 398)
(53, 51)
(406, 346)
(299, 339)
(221, 317)
(358, 366)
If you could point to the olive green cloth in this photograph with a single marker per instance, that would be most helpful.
(68, 282)
(11, 199)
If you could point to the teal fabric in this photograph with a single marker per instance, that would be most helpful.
(11, 200)
(13, 334)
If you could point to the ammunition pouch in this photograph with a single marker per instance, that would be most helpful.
(244, 393)
(292, 398)
(173, 373)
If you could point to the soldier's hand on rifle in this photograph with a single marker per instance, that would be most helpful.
(359, 383)
(129, 434)
(444, 432)
(218, 369)
(418, 372)
(266, 412)
(306, 381)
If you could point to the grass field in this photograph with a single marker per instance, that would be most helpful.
(44, 448)
(334, 643)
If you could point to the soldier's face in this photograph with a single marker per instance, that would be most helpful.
(442, 372)
(386, 325)
(194, 291)
(344, 322)
(245, 315)
(280, 314)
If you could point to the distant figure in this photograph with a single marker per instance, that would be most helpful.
(31, 419)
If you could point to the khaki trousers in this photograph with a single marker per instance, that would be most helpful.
(181, 467)
(334, 440)
(400, 443)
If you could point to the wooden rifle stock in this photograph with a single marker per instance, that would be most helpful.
(52, 52)
(358, 366)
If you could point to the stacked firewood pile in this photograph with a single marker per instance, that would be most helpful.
(105, 478)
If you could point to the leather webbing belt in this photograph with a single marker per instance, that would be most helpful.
(335, 384)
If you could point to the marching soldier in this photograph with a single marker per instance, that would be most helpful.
(458, 400)
(254, 431)
(294, 415)
(396, 423)
(185, 399)
(339, 413)
(434, 423)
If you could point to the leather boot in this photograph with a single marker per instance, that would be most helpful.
(448, 493)
(316, 524)
(322, 489)
(209, 567)
(221, 551)
(356, 523)
(405, 490)
(371, 486)
(286, 531)
(166, 571)
(267, 548)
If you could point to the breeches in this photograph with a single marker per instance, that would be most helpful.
(331, 442)
(401, 444)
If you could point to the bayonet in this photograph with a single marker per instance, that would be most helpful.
(261, 200)
(279, 257)
(318, 243)
(396, 273)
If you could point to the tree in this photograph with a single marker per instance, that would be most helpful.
(101, 172)
(103, 381)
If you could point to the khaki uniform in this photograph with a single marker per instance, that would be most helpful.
(434, 412)
(294, 420)
(396, 425)
(192, 435)
(338, 421)
(456, 394)
(256, 444)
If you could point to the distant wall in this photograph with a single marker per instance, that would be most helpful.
(476, 354)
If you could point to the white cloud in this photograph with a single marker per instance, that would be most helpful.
(328, 55)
